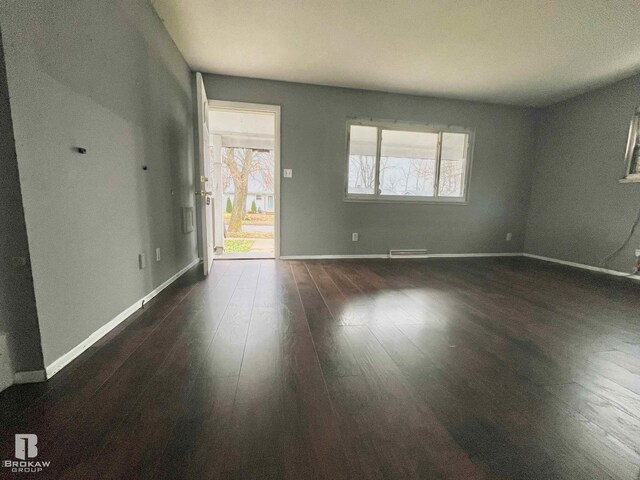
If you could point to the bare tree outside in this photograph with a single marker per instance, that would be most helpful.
(240, 165)
(451, 177)
(409, 163)
(362, 171)
(407, 176)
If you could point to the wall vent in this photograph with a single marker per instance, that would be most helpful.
(408, 253)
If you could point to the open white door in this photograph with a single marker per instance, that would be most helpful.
(204, 160)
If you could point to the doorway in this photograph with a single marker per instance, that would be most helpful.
(245, 166)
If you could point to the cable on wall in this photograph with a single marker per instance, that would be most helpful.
(624, 244)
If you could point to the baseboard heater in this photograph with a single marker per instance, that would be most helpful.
(408, 253)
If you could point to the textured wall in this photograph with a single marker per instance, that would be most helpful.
(316, 220)
(579, 211)
(105, 76)
(19, 333)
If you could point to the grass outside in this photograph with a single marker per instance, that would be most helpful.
(253, 219)
(234, 245)
(249, 234)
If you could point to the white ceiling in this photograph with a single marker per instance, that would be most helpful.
(525, 52)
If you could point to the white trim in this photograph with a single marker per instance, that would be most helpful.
(202, 182)
(634, 131)
(57, 365)
(631, 178)
(465, 255)
(473, 255)
(276, 110)
(583, 266)
(386, 255)
(376, 196)
(370, 198)
(330, 257)
(407, 252)
(34, 376)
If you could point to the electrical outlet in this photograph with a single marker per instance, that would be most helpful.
(158, 254)
(509, 237)
(142, 261)
(287, 173)
(637, 252)
(18, 262)
(354, 237)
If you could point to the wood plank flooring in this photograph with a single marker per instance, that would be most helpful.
(497, 368)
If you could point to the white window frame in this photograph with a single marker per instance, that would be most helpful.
(634, 130)
(409, 127)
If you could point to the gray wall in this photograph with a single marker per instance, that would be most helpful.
(19, 334)
(316, 220)
(579, 212)
(105, 76)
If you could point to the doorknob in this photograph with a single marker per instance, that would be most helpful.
(204, 193)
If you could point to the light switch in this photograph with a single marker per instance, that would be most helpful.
(287, 173)
(142, 261)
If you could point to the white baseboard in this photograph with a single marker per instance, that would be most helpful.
(386, 255)
(583, 266)
(57, 365)
(470, 255)
(34, 376)
(330, 257)
(464, 255)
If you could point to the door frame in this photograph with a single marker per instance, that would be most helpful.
(275, 109)
(202, 182)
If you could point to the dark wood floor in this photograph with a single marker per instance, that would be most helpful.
(456, 369)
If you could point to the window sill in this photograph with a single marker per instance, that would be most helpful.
(631, 178)
(415, 201)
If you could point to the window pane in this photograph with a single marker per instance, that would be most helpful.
(453, 165)
(363, 142)
(408, 163)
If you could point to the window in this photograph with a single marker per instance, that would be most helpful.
(363, 145)
(407, 163)
(632, 173)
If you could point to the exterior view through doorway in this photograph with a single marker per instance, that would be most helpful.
(245, 165)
